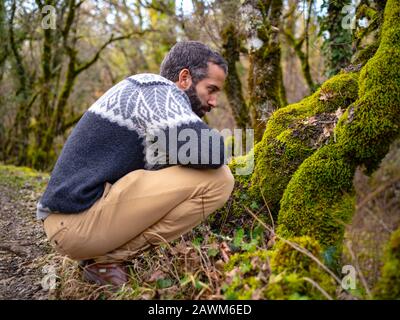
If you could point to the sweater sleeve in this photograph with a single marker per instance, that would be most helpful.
(192, 144)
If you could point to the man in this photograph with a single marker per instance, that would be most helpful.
(107, 199)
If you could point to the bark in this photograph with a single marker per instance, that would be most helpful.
(265, 73)
(298, 43)
(233, 86)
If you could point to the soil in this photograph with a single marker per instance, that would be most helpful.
(24, 250)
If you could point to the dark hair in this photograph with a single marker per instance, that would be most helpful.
(192, 55)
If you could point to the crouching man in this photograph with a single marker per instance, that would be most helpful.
(106, 201)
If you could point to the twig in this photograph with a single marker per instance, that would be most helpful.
(269, 211)
(316, 285)
(361, 275)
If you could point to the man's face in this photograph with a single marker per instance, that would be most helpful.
(204, 95)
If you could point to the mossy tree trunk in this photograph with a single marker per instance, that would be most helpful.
(265, 72)
(233, 86)
(17, 137)
(289, 30)
(366, 38)
(4, 52)
(319, 198)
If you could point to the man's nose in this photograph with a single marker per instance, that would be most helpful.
(212, 102)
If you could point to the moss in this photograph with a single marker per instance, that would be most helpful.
(287, 287)
(290, 267)
(318, 199)
(295, 132)
(286, 258)
(388, 286)
(246, 274)
(20, 177)
(373, 121)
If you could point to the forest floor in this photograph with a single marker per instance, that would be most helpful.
(189, 268)
(192, 267)
(23, 245)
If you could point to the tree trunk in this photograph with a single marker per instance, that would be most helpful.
(265, 71)
(233, 86)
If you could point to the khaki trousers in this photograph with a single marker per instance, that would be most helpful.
(141, 209)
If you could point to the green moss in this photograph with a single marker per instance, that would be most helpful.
(20, 177)
(290, 267)
(373, 121)
(388, 286)
(287, 287)
(246, 274)
(286, 258)
(294, 133)
(318, 199)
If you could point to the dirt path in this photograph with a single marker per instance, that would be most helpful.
(23, 245)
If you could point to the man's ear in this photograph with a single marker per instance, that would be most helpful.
(184, 80)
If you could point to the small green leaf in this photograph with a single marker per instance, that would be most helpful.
(254, 205)
(164, 283)
(212, 252)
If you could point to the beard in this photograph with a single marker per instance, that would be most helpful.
(197, 106)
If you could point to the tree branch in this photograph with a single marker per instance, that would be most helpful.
(86, 65)
(70, 123)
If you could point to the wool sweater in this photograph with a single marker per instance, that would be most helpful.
(114, 137)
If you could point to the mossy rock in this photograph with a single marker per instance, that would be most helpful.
(388, 287)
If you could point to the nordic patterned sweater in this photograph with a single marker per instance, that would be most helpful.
(112, 137)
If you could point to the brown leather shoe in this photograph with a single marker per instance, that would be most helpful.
(114, 274)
